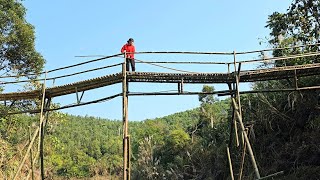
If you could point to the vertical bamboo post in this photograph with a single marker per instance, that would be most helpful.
(31, 155)
(235, 88)
(233, 122)
(230, 164)
(237, 106)
(41, 132)
(43, 125)
(127, 132)
(41, 149)
(234, 115)
(181, 90)
(125, 119)
(47, 112)
(129, 155)
(237, 76)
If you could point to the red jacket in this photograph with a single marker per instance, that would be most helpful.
(130, 49)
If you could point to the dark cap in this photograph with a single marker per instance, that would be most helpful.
(131, 40)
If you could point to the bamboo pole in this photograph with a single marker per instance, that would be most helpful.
(247, 141)
(177, 93)
(181, 87)
(236, 88)
(27, 153)
(233, 123)
(41, 149)
(47, 112)
(38, 130)
(237, 78)
(37, 154)
(243, 158)
(125, 119)
(231, 128)
(129, 155)
(41, 132)
(43, 125)
(230, 164)
(34, 161)
(31, 156)
(128, 136)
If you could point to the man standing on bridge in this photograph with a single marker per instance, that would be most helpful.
(130, 50)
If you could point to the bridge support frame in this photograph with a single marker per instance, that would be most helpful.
(42, 133)
(237, 112)
(45, 104)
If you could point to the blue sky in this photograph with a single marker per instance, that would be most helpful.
(65, 29)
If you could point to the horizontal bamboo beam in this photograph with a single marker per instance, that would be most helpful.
(182, 62)
(184, 52)
(63, 76)
(65, 107)
(273, 90)
(62, 68)
(173, 93)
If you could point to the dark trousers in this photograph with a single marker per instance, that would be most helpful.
(133, 64)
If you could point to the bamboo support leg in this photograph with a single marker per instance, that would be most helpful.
(31, 156)
(129, 160)
(233, 123)
(230, 164)
(37, 131)
(253, 160)
(125, 120)
(243, 158)
(41, 150)
(27, 153)
(42, 130)
(33, 163)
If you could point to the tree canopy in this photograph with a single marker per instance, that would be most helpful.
(17, 40)
(298, 26)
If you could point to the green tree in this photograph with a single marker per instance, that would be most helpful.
(302, 22)
(300, 25)
(17, 47)
(207, 98)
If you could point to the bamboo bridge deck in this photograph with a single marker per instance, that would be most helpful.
(275, 73)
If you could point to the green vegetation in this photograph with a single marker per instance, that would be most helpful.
(170, 147)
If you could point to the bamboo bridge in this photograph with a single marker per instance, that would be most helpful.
(232, 78)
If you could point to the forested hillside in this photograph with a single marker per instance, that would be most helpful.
(185, 145)
(90, 147)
